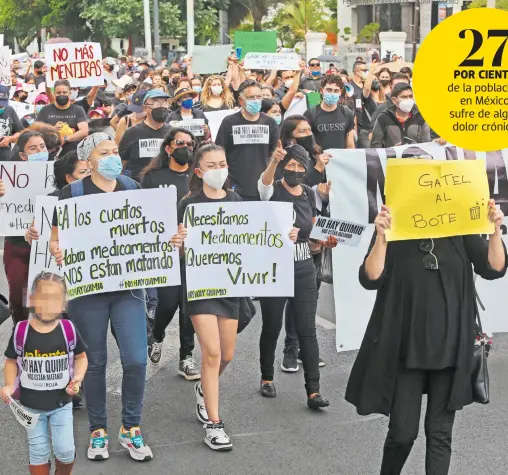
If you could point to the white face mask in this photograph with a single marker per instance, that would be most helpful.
(288, 83)
(216, 178)
(216, 90)
(74, 94)
(406, 105)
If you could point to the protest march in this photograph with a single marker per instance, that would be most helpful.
(238, 185)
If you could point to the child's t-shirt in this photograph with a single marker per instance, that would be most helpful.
(45, 368)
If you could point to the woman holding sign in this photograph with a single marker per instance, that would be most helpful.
(420, 337)
(125, 310)
(293, 163)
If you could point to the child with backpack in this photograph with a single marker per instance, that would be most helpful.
(46, 362)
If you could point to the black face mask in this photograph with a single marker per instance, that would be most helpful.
(308, 143)
(62, 100)
(375, 86)
(160, 114)
(23, 98)
(293, 178)
(175, 81)
(182, 155)
(165, 79)
(384, 82)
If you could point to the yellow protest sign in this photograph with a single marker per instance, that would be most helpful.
(437, 198)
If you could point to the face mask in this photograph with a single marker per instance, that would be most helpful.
(38, 108)
(160, 114)
(216, 90)
(175, 81)
(197, 88)
(165, 79)
(62, 100)
(74, 94)
(308, 143)
(187, 104)
(216, 178)
(253, 106)
(23, 98)
(288, 83)
(277, 118)
(316, 73)
(110, 167)
(293, 178)
(331, 99)
(182, 155)
(38, 157)
(406, 105)
(2, 110)
(375, 86)
(384, 82)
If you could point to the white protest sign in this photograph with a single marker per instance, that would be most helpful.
(356, 195)
(298, 106)
(79, 63)
(23, 182)
(22, 108)
(192, 125)
(40, 257)
(251, 134)
(118, 242)
(215, 119)
(210, 59)
(347, 233)
(239, 249)
(5, 66)
(149, 148)
(278, 61)
(26, 419)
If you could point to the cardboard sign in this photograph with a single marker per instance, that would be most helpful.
(22, 108)
(431, 199)
(40, 257)
(79, 63)
(5, 66)
(278, 61)
(210, 59)
(215, 119)
(26, 419)
(23, 182)
(192, 125)
(255, 42)
(118, 242)
(251, 134)
(149, 148)
(297, 107)
(239, 249)
(347, 233)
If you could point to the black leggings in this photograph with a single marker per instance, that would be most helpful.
(304, 305)
(170, 298)
(405, 420)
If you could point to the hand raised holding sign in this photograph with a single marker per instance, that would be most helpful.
(383, 220)
(2, 188)
(178, 239)
(293, 234)
(496, 216)
(57, 253)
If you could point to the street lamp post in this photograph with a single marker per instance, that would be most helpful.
(156, 36)
(148, 31)
(190, 26)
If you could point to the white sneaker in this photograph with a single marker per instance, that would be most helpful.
(200, 404)
(133, 441)
(98, 446)
(215, 436)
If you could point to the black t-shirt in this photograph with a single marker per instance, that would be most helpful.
(202, 198)
(165, 177)
(248, 146)
(9, 125)
(357, 97)
(83, 102)
(46, 361)
(89, 188)
(72, 116)
(139, 145)
(331, 128)
(368, 110)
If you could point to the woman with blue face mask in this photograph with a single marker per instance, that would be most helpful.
(271, 108)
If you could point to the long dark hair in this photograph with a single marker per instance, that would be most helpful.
(161, 160)
(25, 137)
(64, 166)
(196, 183)
(288, 127)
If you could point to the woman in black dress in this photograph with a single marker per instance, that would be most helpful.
(420, 337)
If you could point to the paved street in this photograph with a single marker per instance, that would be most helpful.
(279, 436)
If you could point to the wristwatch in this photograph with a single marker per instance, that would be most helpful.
(66, 139)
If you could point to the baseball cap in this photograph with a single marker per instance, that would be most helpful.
(4, 96)
(41, 98)
(97, 111)
(155, 94)
(137, 101)
(110, 61)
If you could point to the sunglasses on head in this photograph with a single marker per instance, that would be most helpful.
(429, 260)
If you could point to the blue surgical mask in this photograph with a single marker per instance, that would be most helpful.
(330, 98)
(2, 109)
(110, 167)
(253, 106)
(38, 108)
(316, 73)
(39, 156)
(187, 104)
(197, 88)
(277, 118)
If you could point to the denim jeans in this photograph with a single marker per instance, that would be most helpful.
(126, 311)
(62, 436)
(151, 299)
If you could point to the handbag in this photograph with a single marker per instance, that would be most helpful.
(247, 312)
(480, 376)
(324, 267)
(5, 311)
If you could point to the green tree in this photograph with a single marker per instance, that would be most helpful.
(369, 33)
(500, 4)
(257, 9)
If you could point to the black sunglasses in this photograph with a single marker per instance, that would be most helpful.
(183, 143)
(429, 260)
(314, 65)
